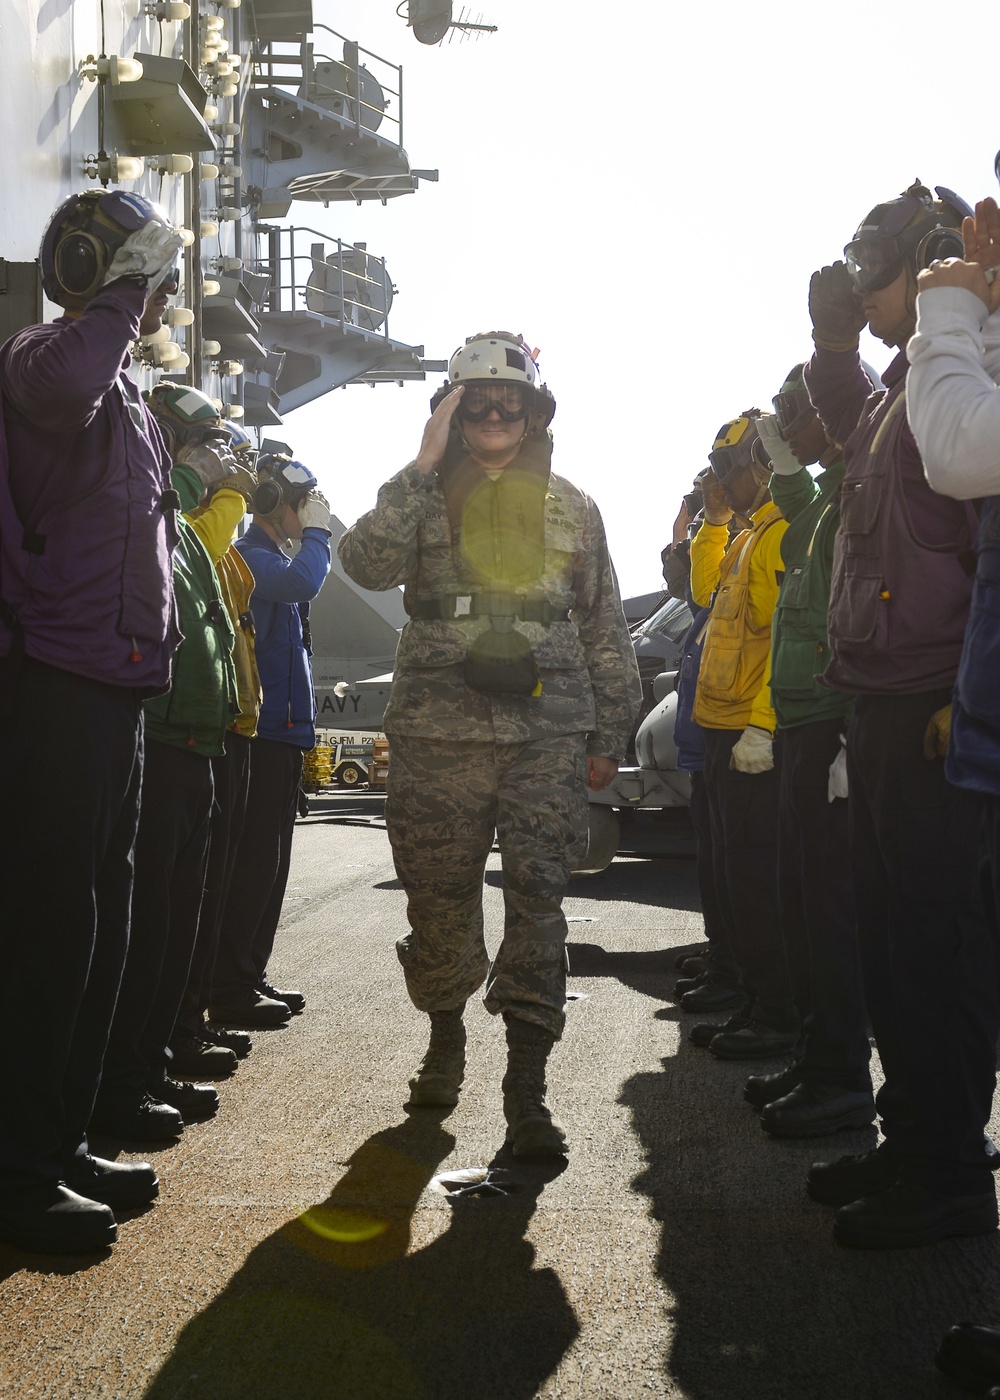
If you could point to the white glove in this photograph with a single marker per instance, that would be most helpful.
(783, 463)
(314, 512)
(212, 462)
(837, 785)
(151, 249)
(753, 751)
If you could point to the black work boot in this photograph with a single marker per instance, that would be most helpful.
(530, 1129)
(439, 1078)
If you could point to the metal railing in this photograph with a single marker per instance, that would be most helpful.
(353, 287)
(273, 68)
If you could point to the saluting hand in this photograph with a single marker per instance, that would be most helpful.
(435, 439)
(834, 309)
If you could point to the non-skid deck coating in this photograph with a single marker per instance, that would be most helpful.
(299, 1250)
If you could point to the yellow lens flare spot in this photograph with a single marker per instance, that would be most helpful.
(343, 1226)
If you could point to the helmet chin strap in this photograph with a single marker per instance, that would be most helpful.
(758, 500)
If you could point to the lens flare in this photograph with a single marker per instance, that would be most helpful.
(343, 1226)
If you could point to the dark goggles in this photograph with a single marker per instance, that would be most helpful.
(873, 262)
(170, 279)
(745, 455)
(793, 411)
(511, 401)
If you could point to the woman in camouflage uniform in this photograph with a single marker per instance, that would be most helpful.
(515, 687)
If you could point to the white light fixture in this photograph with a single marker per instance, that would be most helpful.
(230, 4)
(211, 112)
(212, 23)
(232, 410)
(226, 264)
(111, 69)
(231, 368)
(178, 316)
(157, 337)
(209, 228)
(228, 171)
(208, 171)
(187, 237)
(179, 362)
(236, 59)
(223, 68)
(166, 352)
(224, 87)
(114, 168)
(226, 128)
(210, 288)
(169, 9)
(218, 404)
(175, 165)
(227, 213)
(211, 348)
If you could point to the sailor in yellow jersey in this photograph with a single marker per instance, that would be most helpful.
(739, 576)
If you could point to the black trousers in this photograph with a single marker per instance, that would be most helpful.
(743, 809)
(171, 849)
(260, 871)
(70, 772)
(715, 904)
(816, 893)
(927, 954)
(231, 773)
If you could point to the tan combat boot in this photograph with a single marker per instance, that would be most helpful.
(439, 1078)
(530, 1129)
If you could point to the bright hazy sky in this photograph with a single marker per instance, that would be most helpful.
(642, 190)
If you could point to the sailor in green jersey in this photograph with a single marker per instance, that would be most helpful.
(828, 1086)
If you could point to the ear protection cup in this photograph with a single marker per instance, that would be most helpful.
(267, 497)
(543, 410)
(439, 395)
(939, 243)
(80, 264)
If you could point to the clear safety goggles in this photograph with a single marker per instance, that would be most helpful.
(873, 262)
(793, 411)
(511, 401)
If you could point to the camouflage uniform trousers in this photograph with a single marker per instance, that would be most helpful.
(443, 804)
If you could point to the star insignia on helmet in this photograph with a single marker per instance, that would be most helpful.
(473, 358)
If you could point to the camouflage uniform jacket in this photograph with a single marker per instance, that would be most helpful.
(590, 682)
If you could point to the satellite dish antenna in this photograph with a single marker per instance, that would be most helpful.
(350, 286)
(430, 20)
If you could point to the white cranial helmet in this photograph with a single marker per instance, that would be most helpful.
(493, 355)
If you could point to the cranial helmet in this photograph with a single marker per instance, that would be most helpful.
(185, 415)
(907, 232)
(281, 481)
(82, 238)
(738, 448)
(498, 358)
(239, 439)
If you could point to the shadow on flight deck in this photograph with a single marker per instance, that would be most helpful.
(333, 1306)
(764, 1304)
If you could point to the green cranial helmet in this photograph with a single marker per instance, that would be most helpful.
(186, 415)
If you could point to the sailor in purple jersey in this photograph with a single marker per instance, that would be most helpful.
(902, 581)
(87, 630)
